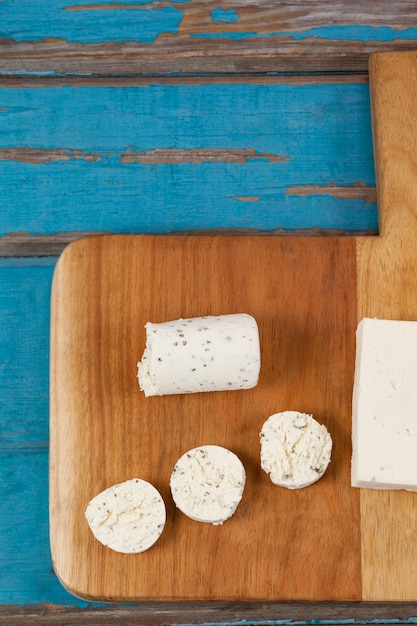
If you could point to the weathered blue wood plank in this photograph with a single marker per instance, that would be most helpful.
(95, 21)
(26, 575)
(140, 37)
(24, 345)
(87, 22)
(347, 33)
(25, 566)
(171, 158)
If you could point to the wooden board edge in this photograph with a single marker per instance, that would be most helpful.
(386, 273)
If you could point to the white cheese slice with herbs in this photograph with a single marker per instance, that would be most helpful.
(295, 449)
(207, 484)
(128, 517)
(384, 406)
(210, 353)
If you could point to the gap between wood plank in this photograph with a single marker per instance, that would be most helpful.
(154, 613)
(25, 245)
(177, 55)
(14, 81)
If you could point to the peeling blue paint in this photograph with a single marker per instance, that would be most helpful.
(77, 196)
(26, 21)
(358, 33)
(222, 15)
(334, 33)
(237, 36)
(98, 21)
(38, 118)
(162, 197)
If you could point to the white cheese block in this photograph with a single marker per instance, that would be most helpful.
(295, 449)
(384, 407)
(210, 353)
(128, 517)
(207, 484)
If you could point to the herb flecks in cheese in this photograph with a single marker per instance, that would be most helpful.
(210, 353)
(295, 449)
(128, 517)
(207, 483)
(384, 407)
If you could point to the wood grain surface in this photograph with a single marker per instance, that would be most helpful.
(301, 544)
(387, 288)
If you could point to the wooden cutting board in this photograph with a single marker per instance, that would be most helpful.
(326, 542)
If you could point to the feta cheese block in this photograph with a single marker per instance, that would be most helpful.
(128, 517)
(295, 449)
(384, 405)
(210, 353)
(207, 484)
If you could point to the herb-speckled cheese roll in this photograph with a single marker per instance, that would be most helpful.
(128, 517)
(207, 484)
(210, 353)
(295, 449)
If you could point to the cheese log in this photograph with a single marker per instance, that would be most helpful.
(384, 405)
(211, 353)
(128, 517)
(295, 449)
(207, 484)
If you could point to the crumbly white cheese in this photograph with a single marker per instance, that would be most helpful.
(207, 483)
(210, 353)
(384, 407)
(295, 449)
(128, 517)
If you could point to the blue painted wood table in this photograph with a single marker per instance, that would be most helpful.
(138, 116)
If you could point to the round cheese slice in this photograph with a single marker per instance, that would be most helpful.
(295, 449)
(128, 517)
(210, 353)
(207, 484)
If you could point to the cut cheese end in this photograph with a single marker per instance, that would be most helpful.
(211, 353)
(128, 517)
(207, 484)
(384, 406)
(295, 449)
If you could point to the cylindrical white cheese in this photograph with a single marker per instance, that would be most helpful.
(207, 483)
(295, 449)
(128, 517)
(210, 353)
